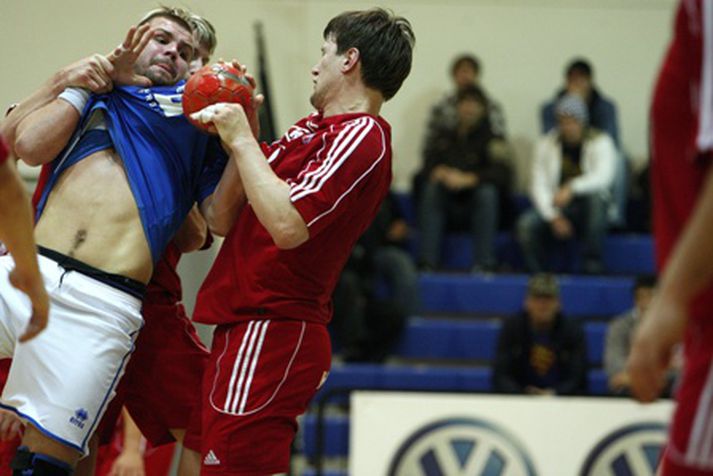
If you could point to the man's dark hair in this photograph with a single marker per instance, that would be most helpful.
(579, 66)
(385, 43)
(474, 93)
(645, 281)
(465, 60)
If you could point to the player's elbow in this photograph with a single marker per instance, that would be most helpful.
(28, 151)
(289, 237)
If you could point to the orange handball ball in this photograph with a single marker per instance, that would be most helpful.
(219, 82)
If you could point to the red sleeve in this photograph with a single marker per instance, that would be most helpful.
(3, 150)
(356, 152)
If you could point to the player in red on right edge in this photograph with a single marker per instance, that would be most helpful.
(682, 179)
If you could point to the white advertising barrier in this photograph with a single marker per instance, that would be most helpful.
(426, 434)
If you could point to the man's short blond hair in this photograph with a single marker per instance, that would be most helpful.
(177, 14)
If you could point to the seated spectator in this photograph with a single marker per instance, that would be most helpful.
(579, 80)
(466, 172)
(540, 351)
(572, 172)
(465, 73)
(619, 335)
(377, 290)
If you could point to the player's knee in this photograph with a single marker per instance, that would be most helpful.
(27, 463)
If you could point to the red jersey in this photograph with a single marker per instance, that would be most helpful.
(4, 150)
(682, 130)
(339, 171)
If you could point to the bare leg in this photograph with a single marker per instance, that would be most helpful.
(37, 442)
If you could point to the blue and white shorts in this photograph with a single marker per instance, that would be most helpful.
(62, 380)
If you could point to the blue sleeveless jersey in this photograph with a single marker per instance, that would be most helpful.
(169, 163)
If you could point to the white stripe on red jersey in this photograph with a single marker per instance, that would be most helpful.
(313, 180)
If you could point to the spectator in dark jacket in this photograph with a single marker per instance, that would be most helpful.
(540, 352)
(466, 168)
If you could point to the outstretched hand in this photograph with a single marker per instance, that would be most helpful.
(124, 57)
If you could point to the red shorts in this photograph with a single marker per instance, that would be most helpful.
(690, 446)
(261, 377)
(160, 387)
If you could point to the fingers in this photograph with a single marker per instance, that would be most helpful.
(215, 112)
(37, 323)
(143, 36)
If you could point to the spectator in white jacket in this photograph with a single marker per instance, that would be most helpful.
(572, 174)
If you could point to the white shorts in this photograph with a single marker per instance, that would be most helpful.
(62, 380)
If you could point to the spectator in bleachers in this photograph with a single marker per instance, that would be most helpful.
(619, 337)
(540, 351)
(579, 80)
(572, 173)
(465, 73)
(377, 290)
(466, 172)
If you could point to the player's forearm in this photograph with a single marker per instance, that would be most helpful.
(227, 201)
(193, 232)
(269, 196)
(690, 266)
(43, 133)
(43, 96)
(16, 224)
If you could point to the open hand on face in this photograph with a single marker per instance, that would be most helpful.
(125, 55)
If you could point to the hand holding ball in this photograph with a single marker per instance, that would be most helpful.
(215, 83)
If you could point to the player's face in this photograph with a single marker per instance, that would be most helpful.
(166, 58)
(200, 58)
(325, 74)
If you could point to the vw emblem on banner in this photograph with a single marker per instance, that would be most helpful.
(461, 447)
(629, 451)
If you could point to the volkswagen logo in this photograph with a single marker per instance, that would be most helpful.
(632, 451)
(461, 447)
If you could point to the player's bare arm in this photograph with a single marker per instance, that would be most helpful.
(43, 126)
(268, 194)
(689, 270)
(16, 234)
(227, 201)
(193, 232)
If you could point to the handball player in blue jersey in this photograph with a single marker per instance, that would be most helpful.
(126, 169)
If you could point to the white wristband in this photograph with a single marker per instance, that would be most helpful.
(77, 97)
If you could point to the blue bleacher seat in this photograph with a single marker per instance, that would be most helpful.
(598, 382)
(448, 339)
(504, 294)
(623, 254)
(336, 435)
(595, 333)
(472, 339)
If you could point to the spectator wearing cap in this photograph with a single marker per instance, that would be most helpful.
(540, 352)
(579, 80)
(572, 172)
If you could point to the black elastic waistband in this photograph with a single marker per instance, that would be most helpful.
(122, 283)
